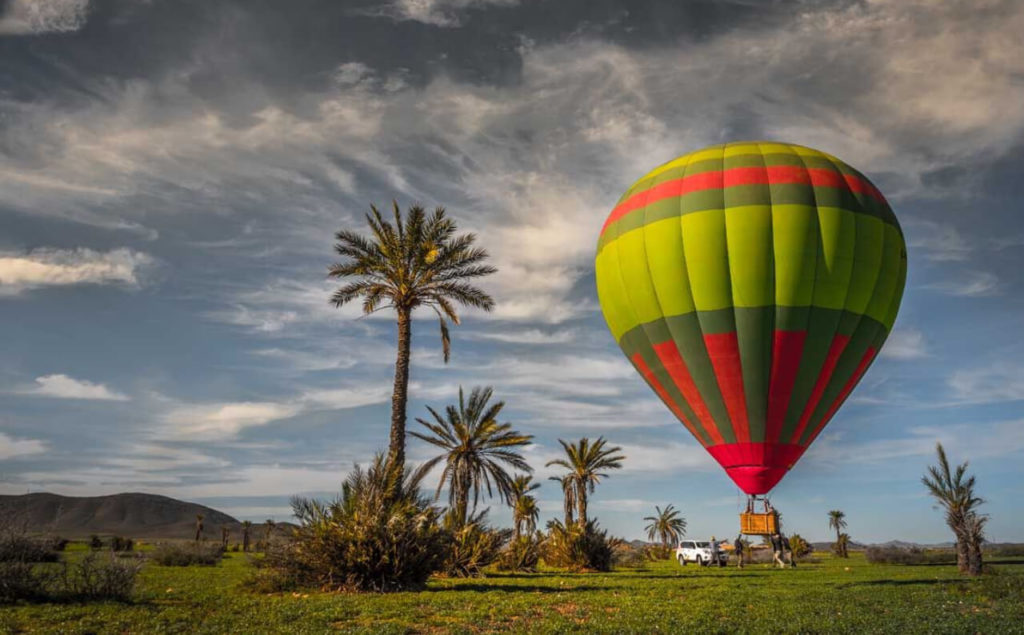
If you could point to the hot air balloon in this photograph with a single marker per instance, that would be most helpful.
(751, 285)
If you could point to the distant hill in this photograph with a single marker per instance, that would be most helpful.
(132, 515)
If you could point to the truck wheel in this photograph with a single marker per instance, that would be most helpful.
(682, 561)
(700, 561)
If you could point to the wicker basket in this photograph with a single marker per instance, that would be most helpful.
(754, 524)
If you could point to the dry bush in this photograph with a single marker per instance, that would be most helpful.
(521, 555)
(577, 548)
(472, 546)
(186, 554)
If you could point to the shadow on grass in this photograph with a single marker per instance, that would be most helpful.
(898, 583)
(483, 587)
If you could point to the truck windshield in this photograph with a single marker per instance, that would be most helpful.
(701, 545)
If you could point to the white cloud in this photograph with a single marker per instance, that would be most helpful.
(31, 17)
(63, 387)
(523, 336)
(936, 241)
(905, 344)
(224, 420)
(10, 447)
(62, 267)
(968, 284)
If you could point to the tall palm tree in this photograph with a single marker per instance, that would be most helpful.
(524, 504)
(837, 521)
(587, 463)
(476, 449)
(666, 524)
(416, 262)
(954, 492)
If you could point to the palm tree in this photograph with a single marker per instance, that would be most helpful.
(586, 463)
(568, 496)
(836, 520)
(246, 530)
(666, 524)
(269, 528)
(416, 262)
(954, 492)
(475, 450)
(225, 534)
(524, 505)
(199, 527)
(974, 530)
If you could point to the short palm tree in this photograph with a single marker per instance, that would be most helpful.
(476, 449)
(666, 525)
(954, 492)
(837, 521)
(587, 463)
(269, 528)
(568, 496)
(416, 262)
(524, 505)
(246, 535)
(199, 527)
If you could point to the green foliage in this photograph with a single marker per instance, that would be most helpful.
(667, 525)
(521, 554)
(476, 450)
(579, 547)
(120, 543)
(92, 577)
(187, 554)
(841, 546)
(474, 545)
(417, 261)
(799, 546)
(21, 580)
(95, 542)
(587, 463)
(380, 535)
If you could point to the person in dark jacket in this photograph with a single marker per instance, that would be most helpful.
(738, 549)
(776, 541)
(788, 551)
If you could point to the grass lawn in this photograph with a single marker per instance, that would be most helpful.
(829, 595)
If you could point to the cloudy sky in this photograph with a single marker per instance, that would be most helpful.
(171, 174)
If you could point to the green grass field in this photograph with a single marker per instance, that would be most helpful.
(828, 595)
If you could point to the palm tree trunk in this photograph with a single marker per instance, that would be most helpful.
(581, 505)
(400, 395)
(962, 554)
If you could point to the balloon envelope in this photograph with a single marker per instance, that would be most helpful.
(751, 285)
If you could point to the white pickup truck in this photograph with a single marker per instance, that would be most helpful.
(700, 552)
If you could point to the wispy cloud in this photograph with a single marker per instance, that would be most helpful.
(1000, 381)
(46, 267)
(968, 284)
(63, 387)
(224, 420)
(442, 13)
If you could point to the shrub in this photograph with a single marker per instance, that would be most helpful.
(380, 535)
(95, 542)
(472, 546)
(183, 555)
(579, 548)
(21, 581)
(120, 543)
(800, 547)
(17, 547)
(657, 552)
(97, 578)
(626, 555)
(910, 555)
(521, 555)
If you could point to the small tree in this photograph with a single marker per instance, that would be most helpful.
(837, 521)
(246, 535)
(199, 527)
(225, 534)
(666, 525)
(268, 529)
(524, 505)
(799, 546)
(587, 463)
(953, 490)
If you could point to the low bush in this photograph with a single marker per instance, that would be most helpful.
(15, 546)
(186, 554)
(579, 548)
(95, 542)
(522, 554)
(380, 535)
(657, 552)
(1005, 550)
(909, 555)
(95, 577)
(120, 543)
(22, 581)
(472, 546)
(628, 556)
